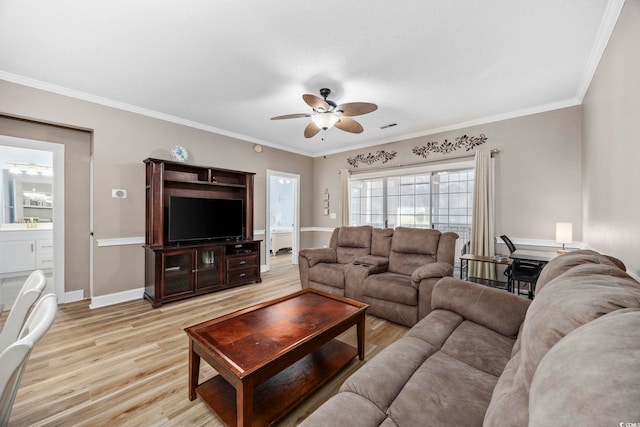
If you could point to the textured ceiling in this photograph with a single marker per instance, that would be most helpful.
(228, 66)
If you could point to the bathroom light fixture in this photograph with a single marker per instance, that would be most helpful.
(29, 169)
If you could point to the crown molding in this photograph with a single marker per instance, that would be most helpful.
(461, 125)
(83, 96)
(607, 25)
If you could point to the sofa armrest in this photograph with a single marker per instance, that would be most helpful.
(318, 255)
(354, 277)
(372, 260)
(495, 309)
(434, 269)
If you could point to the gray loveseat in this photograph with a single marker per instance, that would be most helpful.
(487, 357)
(392, 270)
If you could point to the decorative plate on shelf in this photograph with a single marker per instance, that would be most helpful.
(180, 153)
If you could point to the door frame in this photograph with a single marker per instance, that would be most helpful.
(57, 151)
(295, 232)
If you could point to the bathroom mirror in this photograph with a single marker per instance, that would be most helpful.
(26, 192)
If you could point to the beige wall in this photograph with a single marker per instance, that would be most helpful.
(77, 153)
(537, 172)
(611, 146)
(121, 141)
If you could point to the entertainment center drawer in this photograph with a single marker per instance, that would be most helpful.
(234, 262)
(241, 275)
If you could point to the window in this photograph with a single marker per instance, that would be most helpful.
(440, 199)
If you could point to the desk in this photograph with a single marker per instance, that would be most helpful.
(528, 255)
(464, 268)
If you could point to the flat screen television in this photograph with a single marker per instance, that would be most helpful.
(192, 218)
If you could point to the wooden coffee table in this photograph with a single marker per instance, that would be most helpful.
(271, 356)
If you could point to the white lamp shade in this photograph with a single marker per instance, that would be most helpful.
(325, 120)
(564, 232)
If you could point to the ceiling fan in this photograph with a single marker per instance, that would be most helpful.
(326, 114)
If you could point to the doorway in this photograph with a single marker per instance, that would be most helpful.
(32, 197)
(283, 217)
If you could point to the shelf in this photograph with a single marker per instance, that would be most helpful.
(36, 207)
(213, 184)
(277, 396)
(176, 273)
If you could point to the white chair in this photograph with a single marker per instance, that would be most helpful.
(13, 359)
(29, 293)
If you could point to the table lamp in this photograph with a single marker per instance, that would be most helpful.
(564, 234)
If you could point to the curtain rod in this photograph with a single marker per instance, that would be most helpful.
(463, 156)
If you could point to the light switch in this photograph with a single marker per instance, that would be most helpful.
(118, 193)
(333, 215)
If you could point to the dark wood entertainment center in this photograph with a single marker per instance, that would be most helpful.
(177, 270)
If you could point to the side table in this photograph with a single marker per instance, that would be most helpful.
(464, 269)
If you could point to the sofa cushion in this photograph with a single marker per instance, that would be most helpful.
(574, 298)
(391, 287)
(381, 241)
(566, 262)
(436, 327)
(596, 360)
(347, 409)
(443, 392)
(353, 242)
(479, 347)
(382, 378)
(412, 248)
(329, 274)
(492, 308)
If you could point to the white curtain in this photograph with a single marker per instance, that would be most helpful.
(345, 198)
(482, 221)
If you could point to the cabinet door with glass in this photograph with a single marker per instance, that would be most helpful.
(179, 272)
(208, 271)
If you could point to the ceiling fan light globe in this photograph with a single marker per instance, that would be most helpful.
(325, 120)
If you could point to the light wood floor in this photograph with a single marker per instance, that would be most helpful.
(126, 364)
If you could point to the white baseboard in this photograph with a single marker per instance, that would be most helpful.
(118, 297)
(73, 296)
(321, 229)
(120, 241)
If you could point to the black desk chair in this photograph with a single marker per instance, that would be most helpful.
(507, 271)
(509, 243)
(527, 272)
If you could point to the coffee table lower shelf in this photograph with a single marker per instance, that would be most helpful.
(274, 398)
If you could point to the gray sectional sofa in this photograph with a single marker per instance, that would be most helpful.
(393, 271)
(483, 356)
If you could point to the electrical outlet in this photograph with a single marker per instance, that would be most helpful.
(118, 193)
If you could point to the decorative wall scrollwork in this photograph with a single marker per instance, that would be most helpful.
(446, 146)
(369, 159)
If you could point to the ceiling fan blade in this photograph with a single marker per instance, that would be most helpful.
(316, 103)
(356, 108)
(311, 130)
(291, 116)
(349, 125)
